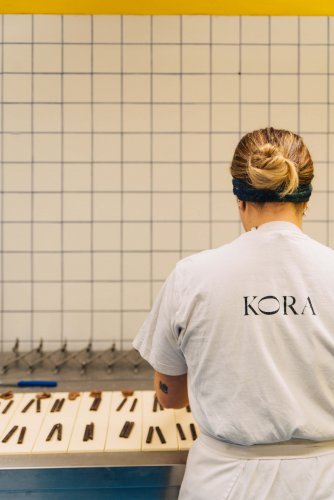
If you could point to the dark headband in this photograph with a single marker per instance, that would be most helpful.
(245, 192)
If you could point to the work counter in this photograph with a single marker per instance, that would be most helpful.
(104, 465)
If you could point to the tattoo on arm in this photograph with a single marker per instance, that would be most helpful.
(163, 387)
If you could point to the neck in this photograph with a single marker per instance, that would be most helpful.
(253, 215)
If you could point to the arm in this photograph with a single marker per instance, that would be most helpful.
(172, 391)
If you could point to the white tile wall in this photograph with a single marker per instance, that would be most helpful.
(117, 133)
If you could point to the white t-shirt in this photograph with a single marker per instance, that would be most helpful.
(252, 322)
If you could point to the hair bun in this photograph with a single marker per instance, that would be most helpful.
(269, 169)
(273, 159)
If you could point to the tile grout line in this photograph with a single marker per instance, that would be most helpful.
(62, 264)
(328, 136)
(32, 145)
(176, 44)
(122, 187)
(151, 292)
(2, 186)
(298, 76)
(210, 138)
(240, 96)
(92, 221)
(269, 71)
(181, 140)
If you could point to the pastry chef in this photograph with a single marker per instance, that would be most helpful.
(245, 332)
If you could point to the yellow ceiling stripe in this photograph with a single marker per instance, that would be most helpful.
(170, 7)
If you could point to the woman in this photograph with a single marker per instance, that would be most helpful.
(247, 330)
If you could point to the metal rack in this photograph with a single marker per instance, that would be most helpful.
(87, 358)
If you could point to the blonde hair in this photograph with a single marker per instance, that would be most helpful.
(272, 159)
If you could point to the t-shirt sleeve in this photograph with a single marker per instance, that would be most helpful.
(157, 340)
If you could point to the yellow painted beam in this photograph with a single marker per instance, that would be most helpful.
(170, 7)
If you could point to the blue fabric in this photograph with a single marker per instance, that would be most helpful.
(245, 192)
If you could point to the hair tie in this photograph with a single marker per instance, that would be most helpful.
(245, 192)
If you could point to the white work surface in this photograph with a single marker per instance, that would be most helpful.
(86, 416)
(117, 419)
(66, 417)
(108, 423)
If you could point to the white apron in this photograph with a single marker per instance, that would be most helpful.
(293, 470)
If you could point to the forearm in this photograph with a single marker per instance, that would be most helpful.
(172, 391)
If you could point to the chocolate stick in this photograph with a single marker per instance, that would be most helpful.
(55, 406)
(59, 432)
(21, 435)
(129, 429)
(155, 404)
(193, 431)
(8, 405)
(26, 408)
(86, 434)
(38, 405)
(124, 429)
(120, 406)
(91, 431)
(10, 433)
(150, 435)
(179, 428)
(95, 405)
(51, 433)
(188, 409)
(160, 434)
(60, 404)
(133, 406)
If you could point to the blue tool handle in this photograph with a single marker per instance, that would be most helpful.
(37, 383)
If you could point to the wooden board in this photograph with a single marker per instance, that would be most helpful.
(108, 421)
(31, 419)
(5, 417)
(86, 416)
(117, 419)
(164, 419)
(66, 418)
(185, 419)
